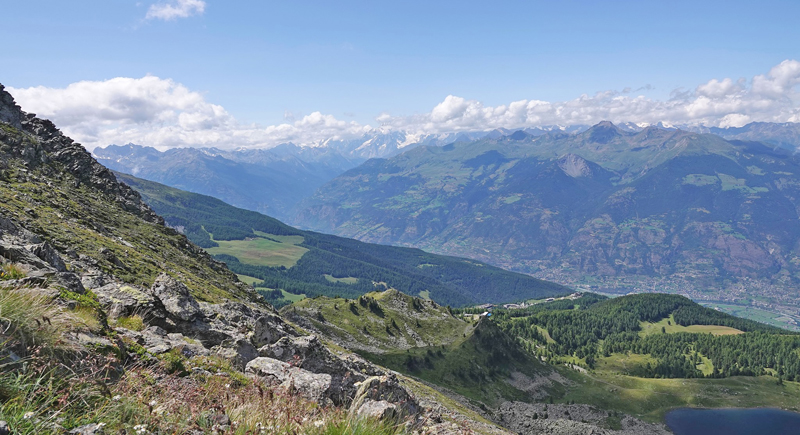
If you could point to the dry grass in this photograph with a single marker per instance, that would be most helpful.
(134, 322)
(11, 271)
(31, 319)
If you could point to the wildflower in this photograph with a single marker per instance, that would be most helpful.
(116, 398)
(319, 423)
(153, 402)
(28, 415)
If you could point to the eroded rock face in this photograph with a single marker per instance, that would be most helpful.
(124, 300)
(42, 263)
(560, 419)
(305, 352)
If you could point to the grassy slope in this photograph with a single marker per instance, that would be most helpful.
(266, 241)
(260, 251)
(670, 327)
(426, 324)
(651, 399)
(473, 359)
(74, 216)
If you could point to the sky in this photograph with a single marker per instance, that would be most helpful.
(170, 73)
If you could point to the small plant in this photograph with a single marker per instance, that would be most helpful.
(134, 322)
(173, 362)
(11, 271)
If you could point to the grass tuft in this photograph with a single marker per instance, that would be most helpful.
(31, 319)
(11, 271)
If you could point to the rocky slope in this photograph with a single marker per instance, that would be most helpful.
(133, 329)
(605, 207)
(117, 297)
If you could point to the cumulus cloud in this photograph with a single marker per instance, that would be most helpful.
(163, 113)
(175, 9)
(772, 97)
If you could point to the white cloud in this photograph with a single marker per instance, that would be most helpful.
(175, 9)
(162, 113)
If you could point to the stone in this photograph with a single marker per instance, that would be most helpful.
(387, 389)
(306, 352)
(176, 298)
(89, 429)
(49, 255)
(268, 329)
(380, 409)
(124, 300)
(312, 386)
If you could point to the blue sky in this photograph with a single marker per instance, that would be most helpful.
(268, 63)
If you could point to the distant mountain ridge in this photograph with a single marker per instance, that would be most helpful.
(273, 180)
(607, 207)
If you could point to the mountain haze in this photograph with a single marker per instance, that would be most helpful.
(605, 207)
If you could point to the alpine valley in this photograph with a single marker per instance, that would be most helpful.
(606, 209)
(128, 306)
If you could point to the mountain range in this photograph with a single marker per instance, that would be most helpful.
(613, 209)
(272, 180)
(113, 321)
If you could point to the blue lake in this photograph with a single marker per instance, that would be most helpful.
(753, 421)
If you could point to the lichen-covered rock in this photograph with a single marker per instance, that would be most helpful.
(175, 297)
(376, 392)
(306, 352)
(124, 300)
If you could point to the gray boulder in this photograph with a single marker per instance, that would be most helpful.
(312, 386)
(124, 300)
(176, 298)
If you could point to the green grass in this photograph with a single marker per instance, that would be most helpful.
(752, 313)
(477, 366)
(292, 297)
(260, 251)
(670, 327)
(71, 214)
(346, 280)
(651, 399)
(346, 320)
(11, 271)
(700, 180)
(621, 363)
(248, 279)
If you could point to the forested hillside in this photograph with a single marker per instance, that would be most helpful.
(322, 264)
(685, 339)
